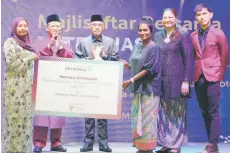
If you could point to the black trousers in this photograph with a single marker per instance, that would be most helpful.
(208, 95)
(90, 130)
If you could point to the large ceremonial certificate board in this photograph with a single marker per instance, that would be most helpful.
(78, 88)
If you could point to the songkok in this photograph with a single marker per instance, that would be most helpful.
(53, 17)
(96, 18)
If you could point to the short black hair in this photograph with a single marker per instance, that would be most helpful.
(148, 22)
(200, 6)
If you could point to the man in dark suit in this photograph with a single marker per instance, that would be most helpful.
(211, 58)
(97, 47)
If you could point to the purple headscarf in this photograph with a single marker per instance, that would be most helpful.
(24, 42)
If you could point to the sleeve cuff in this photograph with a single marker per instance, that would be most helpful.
(105, 57)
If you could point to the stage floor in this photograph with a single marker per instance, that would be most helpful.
(125, 147)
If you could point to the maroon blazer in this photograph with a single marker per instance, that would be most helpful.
(213, 60)
(41, 48)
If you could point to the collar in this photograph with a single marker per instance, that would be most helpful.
(95, 40)
(172, 34)
(201, 31)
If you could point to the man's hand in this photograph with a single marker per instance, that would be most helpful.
(59, 42)
(52, 41)
(96, 52)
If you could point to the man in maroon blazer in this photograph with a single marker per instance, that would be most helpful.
(211, 58)
(52, 45)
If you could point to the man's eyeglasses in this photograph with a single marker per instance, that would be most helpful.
(96, 25)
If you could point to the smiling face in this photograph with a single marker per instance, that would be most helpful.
(203, 17)
(169, 19)
(22, 28)
(54, 28)
(144, 32)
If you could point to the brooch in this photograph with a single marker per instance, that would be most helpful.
(167, 40)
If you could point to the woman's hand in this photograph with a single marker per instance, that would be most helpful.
(185, 88)
(126, 64)
(30, 57)
(126, 84)
(35, 57)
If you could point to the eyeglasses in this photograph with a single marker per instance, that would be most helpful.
(96, 25)
(54, 25)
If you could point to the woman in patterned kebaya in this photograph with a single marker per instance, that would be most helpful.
(177, 73)
(19, 55)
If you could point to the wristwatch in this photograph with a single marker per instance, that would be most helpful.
(132, 80)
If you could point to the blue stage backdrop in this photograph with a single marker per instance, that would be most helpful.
(121, 18)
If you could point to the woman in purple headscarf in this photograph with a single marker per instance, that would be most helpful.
(19, 55)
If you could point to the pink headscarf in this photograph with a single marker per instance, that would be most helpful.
(24, 42)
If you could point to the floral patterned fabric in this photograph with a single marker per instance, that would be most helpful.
(144, 121)
(17, 135)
